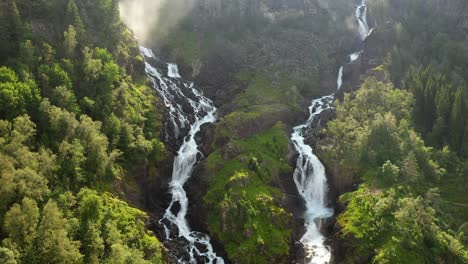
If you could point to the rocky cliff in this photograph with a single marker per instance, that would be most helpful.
(261, 61)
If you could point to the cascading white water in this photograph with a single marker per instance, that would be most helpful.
(309, 175)
(361, 15)
(354, 56)
(311, 183)
(173, 71)
(169, 87)
(339, 80)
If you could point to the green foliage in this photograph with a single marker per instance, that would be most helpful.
(11, 29)
(439, 110)
(424, 33)
(24, 173)
(370, 127)
(228, 38)
(259, 107)
(65, 98)
(457, 121)
(187, 46)
(396, 215)
(20, 224)
(70, 42)
(246, 211)
(123, 236)
(71, 116)
(16, 97)
(83, 151)
(52, 76)
(74, 19)
(397, 227)
(54, 244)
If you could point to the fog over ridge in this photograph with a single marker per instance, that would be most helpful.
(153, 19)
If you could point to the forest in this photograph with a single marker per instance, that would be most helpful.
(78, 120)
(87, 148)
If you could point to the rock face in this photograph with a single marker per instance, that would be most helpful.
(269, 8)
(282, 39)
(457, 9)
(375, 48)
(454, 8)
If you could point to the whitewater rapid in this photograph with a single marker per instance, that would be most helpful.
(172, 90)
(309, 175)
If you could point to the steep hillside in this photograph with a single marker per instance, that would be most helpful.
(261, 62)
(403, 138)
(79, 129)
(241, 131)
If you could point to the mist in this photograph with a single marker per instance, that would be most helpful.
(151, 20)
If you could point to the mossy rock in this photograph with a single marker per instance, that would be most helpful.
(247, 216)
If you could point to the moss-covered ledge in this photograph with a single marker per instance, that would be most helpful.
(246, 213)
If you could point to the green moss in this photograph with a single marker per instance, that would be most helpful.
(265, 101)
(186, 46)
(455, 201)
(263, 89)
(247, 216)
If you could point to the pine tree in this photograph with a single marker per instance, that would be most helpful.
(69, 42)
(73, 18)
(21, 223)
(410, 168)
(93, 245)
(465, 140)
(429, 105)
(457, 121)
(10, 29)
(54, 245)
(443, 107)
(115, 24)
(413, 83)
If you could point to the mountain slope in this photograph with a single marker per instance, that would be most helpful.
(79, 125)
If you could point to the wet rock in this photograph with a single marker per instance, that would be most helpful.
(175, 208)
(205, 138)
(376, 47)
(201, 247)
(230, 151)
(314, 133)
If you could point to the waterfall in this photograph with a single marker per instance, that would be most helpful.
(309, 175)
(172, 90)
(311, 183)
(361, 15)
(339, 80)
(354, 56)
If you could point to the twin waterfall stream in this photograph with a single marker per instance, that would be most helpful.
(309, 174)
(173, 90)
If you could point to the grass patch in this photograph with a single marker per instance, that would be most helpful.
(455, 201)
(265, 101)
(246, 213)
(264, 90)
(186, 46)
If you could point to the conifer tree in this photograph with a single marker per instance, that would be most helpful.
(54, 245)
(69, 42)
(73, 18)
(410, 168)
(10, 29)
(443, 101)
(457, 121)
(464, 148)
